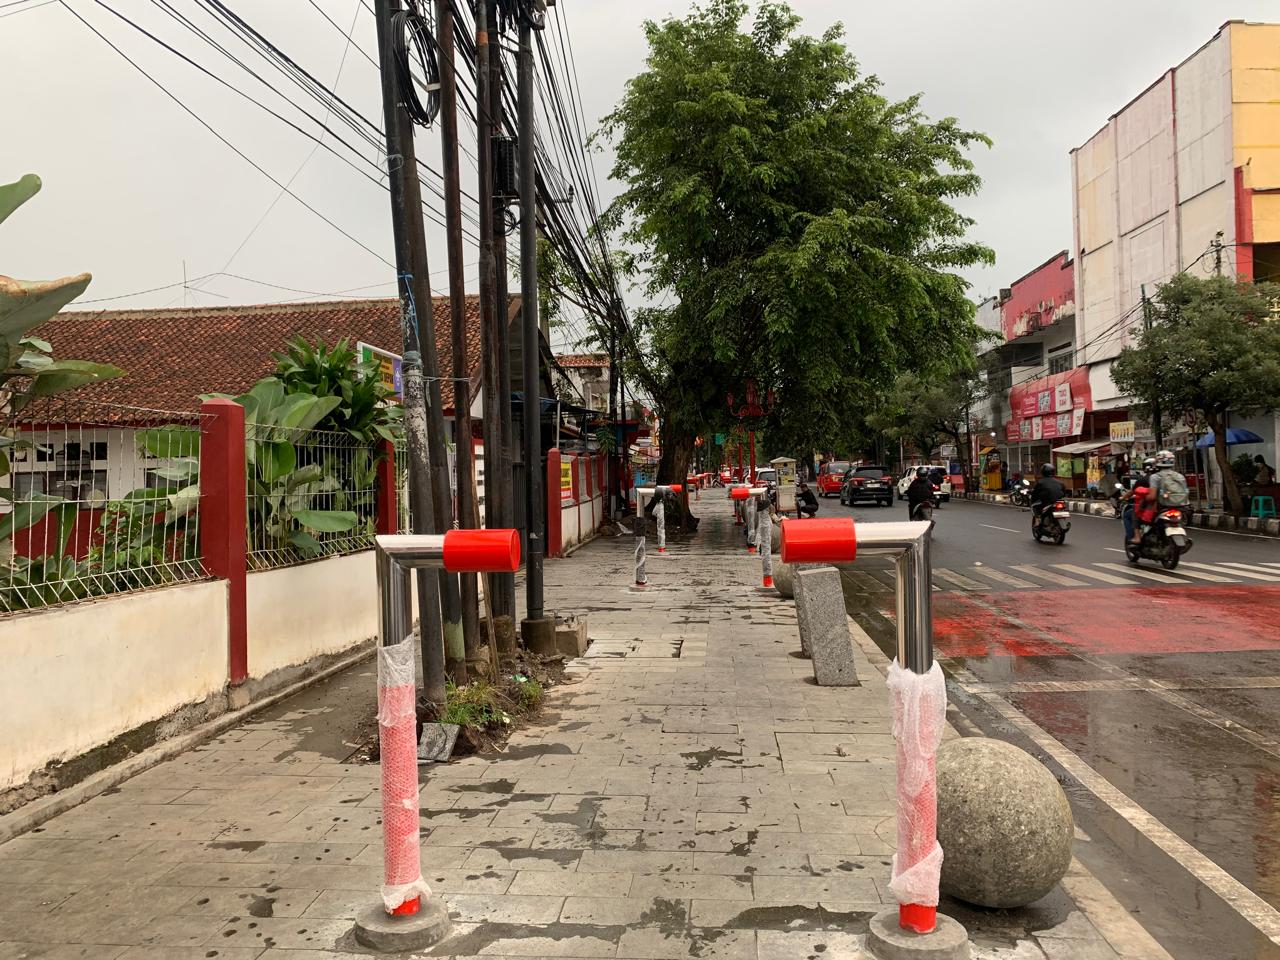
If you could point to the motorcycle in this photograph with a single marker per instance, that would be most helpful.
(1051, 523)
(1164, 540)
(1020, 495)
(924, 510)
(1116, 498)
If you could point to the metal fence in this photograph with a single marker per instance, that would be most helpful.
(98, 499)
(311, 494)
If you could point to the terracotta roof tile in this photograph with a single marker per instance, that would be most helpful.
(582, 359)
(172, 356)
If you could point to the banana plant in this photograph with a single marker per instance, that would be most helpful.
(27, 367)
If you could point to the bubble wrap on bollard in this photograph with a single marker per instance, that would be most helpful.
(919, 715)
(752, 524)
(398, 743)
(642, 576)
(765, 541)
(660, 517)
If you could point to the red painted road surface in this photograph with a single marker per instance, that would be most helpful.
(1107, 621)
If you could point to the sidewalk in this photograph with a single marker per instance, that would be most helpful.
(692, 795)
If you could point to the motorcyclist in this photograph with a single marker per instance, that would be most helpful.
(806, 502)
(920, 491)
(1166, 487)
(1047, 491)
(1137, 479)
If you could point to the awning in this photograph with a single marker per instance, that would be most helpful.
(1084, 447)
(985, 450)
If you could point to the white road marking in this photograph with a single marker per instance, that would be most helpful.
(1113, 549)
(958, 579)
(1250, 566)
(1005, 529)
(1005, 578)
(1050, 576)
(1095, 574)
(1268, 577)
(1260, 914)
(1143, 572)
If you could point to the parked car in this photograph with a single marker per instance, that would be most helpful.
(831, 477)
(937, 473)
(868, 482)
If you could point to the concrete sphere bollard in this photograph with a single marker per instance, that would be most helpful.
(784, 580)
(1003, 821)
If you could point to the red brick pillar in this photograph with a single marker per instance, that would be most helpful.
(224, 518)
(554, 547)
(388, 496)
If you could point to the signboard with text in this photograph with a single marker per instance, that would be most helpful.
(388, 366)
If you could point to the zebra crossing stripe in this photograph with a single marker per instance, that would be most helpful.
(1049, 575)
(999, 577)
(1143, 572)
(1182, 571)
(1252, 566)
(868, 583)
(1095, 574)
(959, 580)
(1272, 577)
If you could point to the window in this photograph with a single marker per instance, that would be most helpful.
(89, 486)
(1062, 362)
(25, 484)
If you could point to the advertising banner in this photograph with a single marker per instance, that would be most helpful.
(1062, 398)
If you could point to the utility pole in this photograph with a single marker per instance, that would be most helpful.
(468, 585)
(537, 628)
(1157, 425)
(1217, 253)
(505, 600)
(615, 319)
(415, 296)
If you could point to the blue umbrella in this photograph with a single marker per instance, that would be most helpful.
(1234, 435)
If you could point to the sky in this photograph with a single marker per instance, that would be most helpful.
(140, 193)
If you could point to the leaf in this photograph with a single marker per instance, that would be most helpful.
(326, 521)
(27, 512)
(25, 304)
(13, 195)
(308, 474)
(169, 441)
(62, 375)
(185, 500)
(308, 544)
(277, 460)
(34, 360)
(263, 398)
(35, 343)
(308, 413)
(184, 469)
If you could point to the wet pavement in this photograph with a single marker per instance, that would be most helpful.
(1156, 704)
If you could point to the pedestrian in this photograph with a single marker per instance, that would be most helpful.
(1264, 475)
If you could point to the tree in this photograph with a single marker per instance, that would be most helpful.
(1213, 349)
(800, 221)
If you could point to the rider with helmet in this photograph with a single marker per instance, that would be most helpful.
(1139, 484)
(1166, 487)
(1047, 491)
(920, 491)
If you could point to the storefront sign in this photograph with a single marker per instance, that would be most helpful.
(1123, 432)
(1037, 429)
(388, 366)
(566, 480)
(1062, 398)
(1077, 421)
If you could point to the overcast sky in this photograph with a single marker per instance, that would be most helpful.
(136, 190)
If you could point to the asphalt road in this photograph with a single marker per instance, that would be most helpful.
(1154, 696)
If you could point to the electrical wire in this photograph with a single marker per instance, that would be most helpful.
(412, 40)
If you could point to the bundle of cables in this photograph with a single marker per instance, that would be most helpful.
(531, 13)
(412, 40)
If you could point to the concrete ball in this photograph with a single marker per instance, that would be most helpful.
(784, 580)
(1003, 821)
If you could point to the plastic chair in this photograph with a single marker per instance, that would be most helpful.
(1262, 507)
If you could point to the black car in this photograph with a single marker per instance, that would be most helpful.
(868, 482)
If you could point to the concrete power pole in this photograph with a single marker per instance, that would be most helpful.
(415, 317)
(1157, 423)
(468, 587)
(537, 629)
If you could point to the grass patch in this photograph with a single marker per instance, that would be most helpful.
(482, 705)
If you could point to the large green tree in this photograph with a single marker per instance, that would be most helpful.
(1213, 349)
(797, 223)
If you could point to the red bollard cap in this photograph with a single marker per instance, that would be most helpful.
(819, 541)
(740, 493)
(677, 487)
(917, 918)
(482, 551)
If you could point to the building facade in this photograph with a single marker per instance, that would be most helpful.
(1185, 177)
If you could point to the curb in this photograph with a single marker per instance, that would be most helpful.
(39, 811)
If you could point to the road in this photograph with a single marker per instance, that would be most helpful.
(1154, 696)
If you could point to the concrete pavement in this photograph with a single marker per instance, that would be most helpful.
(690, 794)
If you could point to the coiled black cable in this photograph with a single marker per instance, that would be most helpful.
(411, 39)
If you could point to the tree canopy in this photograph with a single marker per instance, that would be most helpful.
(797, 223)
(1213, 349)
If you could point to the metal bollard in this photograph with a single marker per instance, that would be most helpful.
(765, 539)
(400, 921)
(660, 518)
(918, 690)
(751, 525)
(642, 576)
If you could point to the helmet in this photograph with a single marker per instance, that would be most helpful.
(1165, 460)
(1046, 470)
(922, 471)
(1148, 463)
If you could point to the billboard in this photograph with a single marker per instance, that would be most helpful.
(388, 366)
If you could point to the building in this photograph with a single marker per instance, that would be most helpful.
(1185, 177)
(583, 378)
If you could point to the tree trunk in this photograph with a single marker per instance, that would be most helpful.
(1217, 424)
(673, 467)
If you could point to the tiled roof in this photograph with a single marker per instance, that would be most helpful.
(582, 359)
(172, 356)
